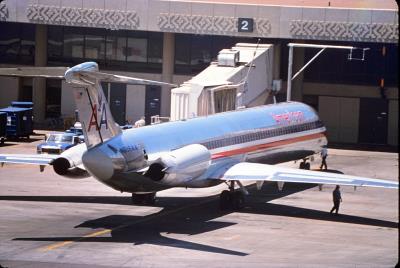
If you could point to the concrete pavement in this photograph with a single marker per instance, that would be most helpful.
(50, 221)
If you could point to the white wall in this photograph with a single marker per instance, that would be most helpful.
(67, 100)
(340, 116)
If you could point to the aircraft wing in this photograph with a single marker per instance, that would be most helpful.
(262, 172)
(33, 159)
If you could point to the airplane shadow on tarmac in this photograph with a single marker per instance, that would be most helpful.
(157, 228)
(139, 230)
(181, 220)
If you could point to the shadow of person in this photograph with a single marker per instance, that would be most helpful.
(328, 170)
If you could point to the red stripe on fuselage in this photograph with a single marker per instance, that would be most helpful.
(267, 145)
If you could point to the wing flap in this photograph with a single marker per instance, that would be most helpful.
(263, 172)
(32, 159)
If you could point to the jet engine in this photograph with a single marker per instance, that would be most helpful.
(181, 165)
(67, 165)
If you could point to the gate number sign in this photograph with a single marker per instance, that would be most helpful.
(245, 25)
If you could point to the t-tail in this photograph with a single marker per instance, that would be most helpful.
(95, 116)
(98, 125)
(94, 112)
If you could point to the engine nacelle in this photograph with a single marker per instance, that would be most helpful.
(181, 165)
(67, 165)
(63, 168)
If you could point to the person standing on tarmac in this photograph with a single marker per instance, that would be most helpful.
(337, 198)
(324, 155)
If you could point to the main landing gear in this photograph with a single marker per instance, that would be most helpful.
(143, 199)
(304, 164)
(231, 199)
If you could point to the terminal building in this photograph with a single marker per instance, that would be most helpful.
(174, 41)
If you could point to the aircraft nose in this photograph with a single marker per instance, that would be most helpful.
(98, 163)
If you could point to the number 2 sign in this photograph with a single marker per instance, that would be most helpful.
(245, 25)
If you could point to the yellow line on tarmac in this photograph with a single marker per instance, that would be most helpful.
(54, 246)
(107, 231)
(65, 243)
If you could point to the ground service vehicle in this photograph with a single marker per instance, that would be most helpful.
(56, 143)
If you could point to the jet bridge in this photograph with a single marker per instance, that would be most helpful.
(240, 77)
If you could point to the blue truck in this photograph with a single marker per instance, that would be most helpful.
(19, 121)
(3, 122)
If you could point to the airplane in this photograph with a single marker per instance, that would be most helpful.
(232, 147)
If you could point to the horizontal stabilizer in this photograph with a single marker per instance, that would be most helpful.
(33, 159)
(89, 73)
(113, 78)
(45, 72)
(257, 172)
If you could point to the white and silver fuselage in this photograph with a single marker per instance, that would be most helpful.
(267, 134)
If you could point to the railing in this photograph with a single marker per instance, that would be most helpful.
(157, 119)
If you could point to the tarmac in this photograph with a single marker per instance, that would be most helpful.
(50, 221)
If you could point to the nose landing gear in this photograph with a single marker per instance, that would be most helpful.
(304, 164)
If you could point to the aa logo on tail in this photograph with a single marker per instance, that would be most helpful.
(94, 120)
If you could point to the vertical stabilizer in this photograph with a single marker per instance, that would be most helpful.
(94, 112)
(97, 122)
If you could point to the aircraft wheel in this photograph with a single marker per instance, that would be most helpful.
(302, 165)
(307, 166)
(225, 200)
(238, 200)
